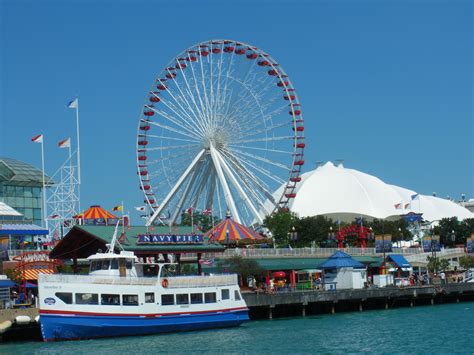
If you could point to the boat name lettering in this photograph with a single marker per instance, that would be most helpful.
(169, 238)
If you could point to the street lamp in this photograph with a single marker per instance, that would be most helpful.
(401, 236)
(453, 237)
(331, 234)
(293, 235)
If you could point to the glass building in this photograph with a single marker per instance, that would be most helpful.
(21, 187)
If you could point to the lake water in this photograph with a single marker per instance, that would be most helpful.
(429, 329)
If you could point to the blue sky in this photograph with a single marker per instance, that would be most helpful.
(384, 85)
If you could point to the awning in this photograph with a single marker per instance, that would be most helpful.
(6, 283)
(22, 229)
(32, 274)
(399, 261)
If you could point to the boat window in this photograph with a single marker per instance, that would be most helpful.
(196, 298)
(66, 297)
(87, 298)
(167, 300)
(98, 265)
(150, 297)
(111, 300)
(225, 294)
(130, 300)
(210, 297)
(237, 295)
(182, 298)
(93, 265)
(114, 264)
(129, 264)
(105, 264)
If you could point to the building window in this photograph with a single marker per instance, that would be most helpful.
(111, 300)
(210, 297)
(87, 298)
(225, 294)
(130, 300)
(182, 298)
(150, 297)
(167, 300)
(66, 297)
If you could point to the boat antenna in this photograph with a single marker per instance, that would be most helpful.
(111, 246)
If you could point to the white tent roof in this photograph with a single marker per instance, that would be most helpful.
(337, 192)
(6, 210)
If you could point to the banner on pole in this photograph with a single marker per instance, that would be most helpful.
(431, 243)
(383, 243)
(470, 244)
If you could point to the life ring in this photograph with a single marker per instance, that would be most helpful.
(164, 283)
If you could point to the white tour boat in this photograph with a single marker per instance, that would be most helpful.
(121, 297)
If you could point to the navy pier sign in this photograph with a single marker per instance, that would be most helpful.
(170, 238)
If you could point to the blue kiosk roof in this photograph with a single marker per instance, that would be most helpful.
(339, 260)
(22, 229)
(399, 260)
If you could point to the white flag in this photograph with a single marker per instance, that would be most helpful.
(73, 103)
(37, 139)
(141, 208)
(65, 143)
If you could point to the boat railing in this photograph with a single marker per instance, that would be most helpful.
(99, 279)
(201, 281)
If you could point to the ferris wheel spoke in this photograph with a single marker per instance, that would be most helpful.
(225, 187)
(170, 138)
(181, 97)
(266, 129)
(244, 166)
(261, 149)
(199, 110)
(264, 160)
(172, 129)
(204, 110)
(173, 147)
(239, 188)
(172, 119)
(248, 183)
(256, 169)
(266, 139)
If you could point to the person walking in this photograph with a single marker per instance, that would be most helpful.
(443, 278)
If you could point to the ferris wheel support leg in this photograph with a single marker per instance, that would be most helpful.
(185, 194)
(175, 188)
(225, 187)
(241, 191)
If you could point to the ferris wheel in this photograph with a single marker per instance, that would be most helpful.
(221, 130)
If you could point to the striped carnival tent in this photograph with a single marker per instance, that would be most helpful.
(230, 232)
(96, 215)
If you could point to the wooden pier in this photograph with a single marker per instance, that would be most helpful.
(302, 303)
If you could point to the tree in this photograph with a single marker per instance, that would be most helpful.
(240, 266)
(436, 264)
(280, 224)
(313, 229)
(200, 220)
(466, 262)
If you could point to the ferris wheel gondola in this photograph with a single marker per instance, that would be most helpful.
(221, 129)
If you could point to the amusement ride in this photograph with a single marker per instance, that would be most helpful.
(221, 129)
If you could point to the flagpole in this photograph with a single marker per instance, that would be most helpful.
(44, 185)
(123, 221)
(78, 155)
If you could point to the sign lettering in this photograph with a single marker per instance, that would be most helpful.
(170, 238)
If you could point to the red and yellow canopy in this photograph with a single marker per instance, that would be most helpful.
(96, 213)
(229, 231)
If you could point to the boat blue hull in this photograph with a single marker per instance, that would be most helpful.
(64, 327)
